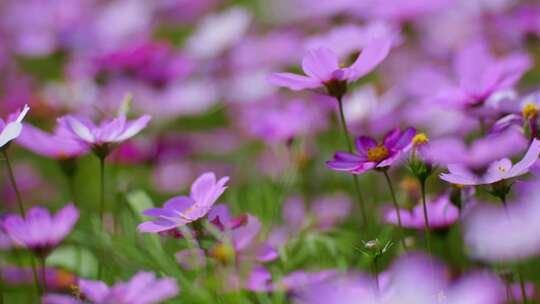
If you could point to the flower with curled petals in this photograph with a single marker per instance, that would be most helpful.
(101, 137)
(322, 68)
(372, 155)
(497, 170)
(182, 210)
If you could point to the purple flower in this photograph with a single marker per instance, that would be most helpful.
(221, 218)
(39, 231)
(479, 153)
(190, 259)
(322, 67)
(182, 210)
(108, 132)
(153, 62)
(496, 171)
(57, 279)
(412, 279)
(260, 280)
(142, 288)
(240, 244)
(373, 155)
(60, 145)
(441, 213)
(479, 75)
(497, 234)
(12, 127)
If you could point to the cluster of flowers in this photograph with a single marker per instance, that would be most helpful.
(445, 89)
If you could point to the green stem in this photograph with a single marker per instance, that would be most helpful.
(102, 190)
(396, 207)
(101, 203)
(376, 273)
(426, 217)
(43, 274)
(522, 286)
(36, 278)
(350, 149)
(14, 183)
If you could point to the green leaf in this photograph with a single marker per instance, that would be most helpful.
(76, 259)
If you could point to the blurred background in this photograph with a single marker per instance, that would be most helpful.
(200, 68)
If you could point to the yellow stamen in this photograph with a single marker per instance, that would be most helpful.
(420, 139)
(530, 110)
(377, 154)
(223, 253)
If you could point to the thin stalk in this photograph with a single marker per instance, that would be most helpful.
(36, 278)
(522, 286)
(350, 149)
(101, 203)
(21, 210)
(375, 271)
(72, 191)
(396, 207)
(14, 183)
(102, 190)
(43, 274)
(426, 217)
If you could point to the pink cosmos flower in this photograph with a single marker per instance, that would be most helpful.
(322, 67)
(325, 213)
(12, 127)
(39, 231)
(142, 288)
(182, 210)
(479, 75)
(479, 153)
(260, 280)
(108, 132)
(60, 145)
(373, 155)
(239, 243)
(412, 279)
(497, 234)
(497, 171)
(441, 213)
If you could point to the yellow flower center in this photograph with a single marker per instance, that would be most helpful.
(501, 169)
(377, 154)
(223, 253)
(530, 110)
(420, 139)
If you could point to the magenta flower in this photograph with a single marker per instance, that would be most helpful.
(496, 234)
(373, 155)
(441, 212)
(412, 279)
(39, 231)
(12, 127)
(479, 75)
(182, 210)
(479, 153)
(59, 145)
(240, 244)
(497, 171)
(142, 288)
(323, 70)
(108, 132)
